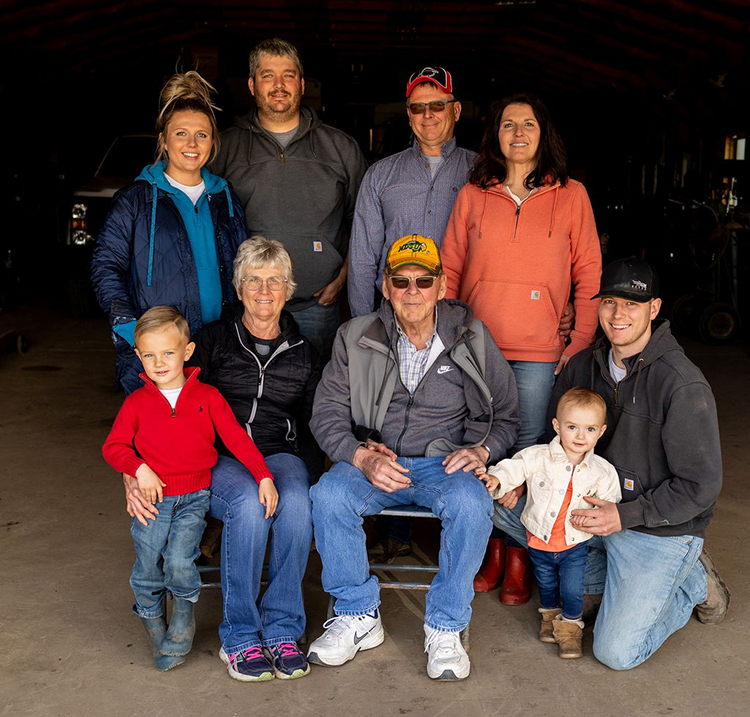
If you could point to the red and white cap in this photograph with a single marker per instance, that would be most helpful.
(439, 76)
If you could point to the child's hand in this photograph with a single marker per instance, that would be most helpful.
(268, 496)
(491, 483)
(150, 484)
(508, 500)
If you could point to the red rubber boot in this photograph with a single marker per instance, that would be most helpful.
(516, 589)
(491, 572)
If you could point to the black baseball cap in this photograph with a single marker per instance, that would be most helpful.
(631, 279)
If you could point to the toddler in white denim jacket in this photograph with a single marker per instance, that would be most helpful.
(559, 476)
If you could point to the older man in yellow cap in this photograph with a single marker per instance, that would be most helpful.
(416, 397)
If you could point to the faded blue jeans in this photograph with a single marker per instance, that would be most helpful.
(535, 380)
(165, 552)
(279, 616)
(650, 584)
(344, 496)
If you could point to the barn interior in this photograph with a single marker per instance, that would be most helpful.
(651, 100)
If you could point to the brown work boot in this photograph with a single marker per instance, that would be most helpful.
(717, 601)
(568, 635)
(490, 575)
(545, 629)
(387, 550)
(591, 605)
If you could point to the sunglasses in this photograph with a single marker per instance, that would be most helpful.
(403, 282)
(418, 108)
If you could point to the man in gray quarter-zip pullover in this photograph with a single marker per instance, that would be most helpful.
(298, 180)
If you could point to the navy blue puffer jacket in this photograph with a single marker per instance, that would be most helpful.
(143, 258)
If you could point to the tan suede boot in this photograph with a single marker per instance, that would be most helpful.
(717, 603)
(568, 635)
(545, 630)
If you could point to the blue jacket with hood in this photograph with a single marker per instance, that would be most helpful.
(143, 257)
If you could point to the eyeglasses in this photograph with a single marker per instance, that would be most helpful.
(404, 282)
(418, 108)
(255, 283)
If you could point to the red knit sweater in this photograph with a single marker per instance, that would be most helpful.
(178, 445)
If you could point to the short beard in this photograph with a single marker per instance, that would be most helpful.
(268, 112)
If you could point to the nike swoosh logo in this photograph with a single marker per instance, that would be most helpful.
(444, 369)
(359, 638)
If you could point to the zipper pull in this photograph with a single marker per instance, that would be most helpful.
(173, 413)
(282, 158)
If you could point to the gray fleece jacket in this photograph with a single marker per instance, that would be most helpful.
(303, 195)
(662, 433)
(468, 397)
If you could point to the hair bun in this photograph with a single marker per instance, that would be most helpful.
(187, 86)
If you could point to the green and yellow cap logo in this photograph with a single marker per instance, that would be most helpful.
(414, 249)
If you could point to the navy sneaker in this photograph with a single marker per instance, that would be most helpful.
(288, 662)
(249, 665)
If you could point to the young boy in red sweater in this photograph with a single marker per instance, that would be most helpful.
(164, 436)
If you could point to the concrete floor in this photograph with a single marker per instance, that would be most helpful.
(70, 645)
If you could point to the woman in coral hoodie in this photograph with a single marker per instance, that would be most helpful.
(520, 233)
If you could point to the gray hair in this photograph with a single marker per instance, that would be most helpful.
(276, 48)
(257, 252)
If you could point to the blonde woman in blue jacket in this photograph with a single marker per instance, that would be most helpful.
(171, 236)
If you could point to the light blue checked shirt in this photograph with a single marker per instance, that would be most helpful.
(413, 362)
(399, 197)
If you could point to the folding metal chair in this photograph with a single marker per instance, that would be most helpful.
(405, 511)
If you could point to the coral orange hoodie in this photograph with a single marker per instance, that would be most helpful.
(514, 265)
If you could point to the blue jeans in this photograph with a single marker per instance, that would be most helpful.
(279, 616)
(535, 380)
(319, 324)
(344, 496)
(652, 585)
(560, 578)
(165, 552)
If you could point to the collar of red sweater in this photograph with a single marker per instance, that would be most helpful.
(190, 373)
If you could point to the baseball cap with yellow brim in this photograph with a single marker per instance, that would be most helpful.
(414, 250)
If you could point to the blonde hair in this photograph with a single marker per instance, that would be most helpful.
(186, 92)
(582, 398)
(257, 252)
(158, 318)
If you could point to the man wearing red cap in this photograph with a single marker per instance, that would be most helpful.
(412, 191)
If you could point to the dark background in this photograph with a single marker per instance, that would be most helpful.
(651, 98)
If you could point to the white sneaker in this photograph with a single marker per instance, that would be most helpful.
(344, 637)
(446, 657)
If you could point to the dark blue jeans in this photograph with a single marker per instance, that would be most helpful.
(560, 577)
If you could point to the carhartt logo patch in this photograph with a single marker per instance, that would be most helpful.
(444, 369)
(317, 246)
(628, 484)
(536, 294)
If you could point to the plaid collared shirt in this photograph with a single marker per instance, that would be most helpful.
(413, 362)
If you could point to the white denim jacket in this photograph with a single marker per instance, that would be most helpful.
(546, 471)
